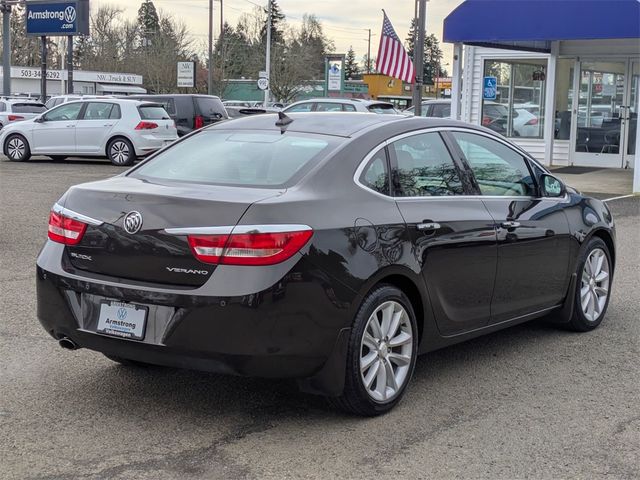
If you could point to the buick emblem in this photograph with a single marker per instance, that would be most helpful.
(132, 222)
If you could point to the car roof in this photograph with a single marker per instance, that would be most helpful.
(174, 95)
(343, 124)
(342, 100)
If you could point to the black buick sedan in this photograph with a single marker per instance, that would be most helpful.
(329, 248)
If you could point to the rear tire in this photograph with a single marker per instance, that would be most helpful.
(16, 148)
(120, 152)
(382, 352)
(126, 362)
(593, 288)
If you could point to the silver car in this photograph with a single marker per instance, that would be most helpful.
(19, 109)
(341, 105)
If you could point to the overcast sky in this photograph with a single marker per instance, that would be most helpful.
(344, 21)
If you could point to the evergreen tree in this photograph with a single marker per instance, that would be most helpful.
(432, 54)
(148, 19)
(351, 69)
(277, 18)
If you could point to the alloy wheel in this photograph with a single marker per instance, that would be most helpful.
(120, 152)
(16, 148)
(594, 287)
(386, 351)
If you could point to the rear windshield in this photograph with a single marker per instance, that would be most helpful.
(382, 108)
(153, 112)
(210, 107)
(28, 108)
(247, 158)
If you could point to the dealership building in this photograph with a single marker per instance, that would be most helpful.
(561, 79)
(26, 80)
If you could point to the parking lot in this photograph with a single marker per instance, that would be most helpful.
(528, 402)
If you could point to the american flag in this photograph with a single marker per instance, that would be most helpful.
(392, 57)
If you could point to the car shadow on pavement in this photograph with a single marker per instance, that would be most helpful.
(148, 391)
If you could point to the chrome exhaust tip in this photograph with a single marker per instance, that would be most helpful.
(68, 344)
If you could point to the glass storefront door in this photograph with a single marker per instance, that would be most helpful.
(604, 119)
(631, 114)
(599, 113)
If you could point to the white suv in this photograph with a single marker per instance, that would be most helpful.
(120, 129)
(19, 109)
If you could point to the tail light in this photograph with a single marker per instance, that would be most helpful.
(65, 230)
(198, 122)
(146, 126)
(248, 248)
(13, 118)
(533, 121)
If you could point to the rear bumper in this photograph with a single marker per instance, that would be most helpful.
(287, 331)
(146, 144)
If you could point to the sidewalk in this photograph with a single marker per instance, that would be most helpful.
(610, 181)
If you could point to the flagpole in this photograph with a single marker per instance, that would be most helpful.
(418, 50)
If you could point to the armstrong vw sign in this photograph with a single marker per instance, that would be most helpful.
(58, 18)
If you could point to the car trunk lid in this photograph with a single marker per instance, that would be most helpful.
(151, 254)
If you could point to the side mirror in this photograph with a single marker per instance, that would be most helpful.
(551, 186)
(39, 119)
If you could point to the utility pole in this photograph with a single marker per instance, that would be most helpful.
(268, 54)
(69, 64)
(369, 52)
(6, 48)
(43, 70)
(210, 73)
(418, 49)
(221, 43)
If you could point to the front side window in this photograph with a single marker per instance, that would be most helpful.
(517, 110)
(98, 111)
(252, 159)
(441, 110)
(498, 169)
(422, 167)
(303, 107)
(376, 174)
(68, 111)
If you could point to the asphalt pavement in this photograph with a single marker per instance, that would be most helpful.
(527, 402)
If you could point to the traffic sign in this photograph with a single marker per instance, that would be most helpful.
(263, 83)
(490, 88)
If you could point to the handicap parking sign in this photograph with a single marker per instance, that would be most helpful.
(489, 88)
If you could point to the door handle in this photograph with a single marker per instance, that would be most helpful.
(510, 224)
(108, 125)
(70, 126)
(428, 226)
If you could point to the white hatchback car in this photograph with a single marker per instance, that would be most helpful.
(119, 129)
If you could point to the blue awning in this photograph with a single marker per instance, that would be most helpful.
(533, 24)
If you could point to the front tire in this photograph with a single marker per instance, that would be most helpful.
(121, 152)
(382, 353)
(594, 275)
(16, 148)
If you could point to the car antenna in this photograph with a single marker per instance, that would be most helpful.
(283, 122)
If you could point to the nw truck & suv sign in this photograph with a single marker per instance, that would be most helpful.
(58, 18)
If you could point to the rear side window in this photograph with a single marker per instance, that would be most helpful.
(328, 107)
(153, 112)
(348, 108)
(115, 112)
(376, 174)
(2, 107)
(98, 111)
(28, 108)
(422, 167)
(382, 108)
(210, 107)
(259, 159)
